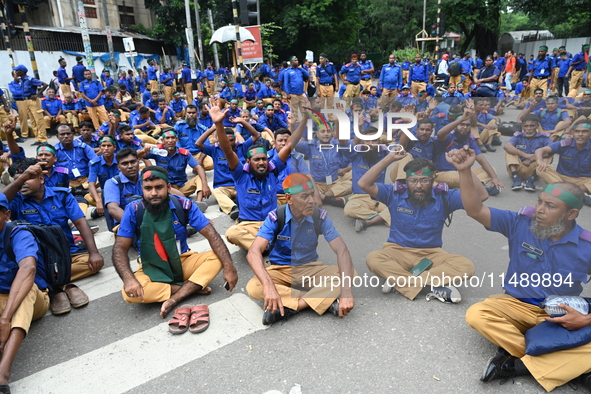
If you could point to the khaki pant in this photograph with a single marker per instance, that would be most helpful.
(361, 206)
(467, 82)
(281, 200)
(210, 87)
(351, 91)
(3, 119)
(503, 320)
(168, 91)
(80, 268)
(388, 95)
(65, 87)
(523, 171)
(298, 102)
(455, 80)
(154, 86)
(485, 134)
(98, 115)
(405, 76)
(191, 186)
(34, 306)
(576, 81)
(554, 77)
(189, 92)
(539, 84)
(394, 262)
(48, 121)
(84, 117)
(326, 94)
(72, 120)
(417, 87)
(199, 268)
(207, 161)
(243, 234)
(341, 187)
(286, 277)
(453, 179)
(180, 114)
(550, 176)
(31, 110)
(365, 84)
(224, 196)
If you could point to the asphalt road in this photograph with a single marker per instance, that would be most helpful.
(388, 344)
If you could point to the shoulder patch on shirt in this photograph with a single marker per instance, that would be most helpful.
(568, 142)
(184, 151)
(324, 214)
(517, 134)
(63, 170)
(441, 187)
(441, 115)
(273, 215)
(399, 187)
(585, 235)
(543, 135)
(527, 211)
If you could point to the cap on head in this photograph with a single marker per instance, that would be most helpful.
(20, 67)
(354, 56)
(4, 201)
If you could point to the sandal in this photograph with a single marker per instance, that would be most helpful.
(180, 320)
(199, 321)
(4, 389)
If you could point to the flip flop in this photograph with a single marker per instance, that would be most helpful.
(180, 320)
(199, 321)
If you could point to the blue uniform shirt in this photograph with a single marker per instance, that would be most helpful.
(188, 135)
(295, 163)
(152, 104)
(178, 105)
(452, 142)
(500, 63)
(92, 89)
(135, 144)
(405, 66)
(299, 248)
(257, 198)
(76, 159)
(579, 57)
(573, 162)
(568, 258)
(563, 66)
(209, 74)
(537, 105)
(167, 119)
(109, 82)
(391, 77)
(205, 122)
(101, 171)
(111, 191)
(176, 165)
(352, 73)
(222, 176)
(417, 227)
(51, 211)
(186, 75)
(542, 68)
(466, 66)
(78, 73)
(62, 75)
(250, 94)
(231, 114)
(360, 166)
(326, 73)
(146, 96)
(273, 124)
(165, 76)
(549, 120)
(427, 150)
(479, 63)
(195, 218)
(52, 106)
(529, 145)
(138, 120)
(365, 65)
(152, 73)
(94, 139)
(323, 162)
(29, 86)
(266, 92)
(418, 73)
(71, 106)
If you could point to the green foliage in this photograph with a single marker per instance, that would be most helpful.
(564, 18)
(267, 30)
(515, 21)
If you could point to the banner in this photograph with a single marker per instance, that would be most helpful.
(252, 52)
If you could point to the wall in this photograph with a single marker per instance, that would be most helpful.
(573, 45)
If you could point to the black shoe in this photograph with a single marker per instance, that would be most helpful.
(584, 381)
(482, 148)
(191, 231)
(20, 139)
(202, 205)
(360, 225)
(530, 184)
(490, 148)
(335, 201)
(36, 143)
(496, 141)
(334, 308)
(270, 318)
(500, 366)
(588, 201)
(492, 190)
(234, 213)
(94, 214)
(447, 294)
(81, 245)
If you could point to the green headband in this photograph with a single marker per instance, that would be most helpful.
(563, 195)
(46, 149)
(157, 174)
(169, 133)
(543, 48)
(552, 99)
(108, 138)
(255, 151)
(304, 187)
(421, 172)
(584, 124)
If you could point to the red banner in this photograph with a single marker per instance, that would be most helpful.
(252, 52)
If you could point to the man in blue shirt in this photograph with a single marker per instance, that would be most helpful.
(233, 112)
(62, 77)
(204, 119)
(270, 121)
(326, 81)
(544, 242)
(390, 80)
(189, 131)
(210, 75)
(367, 70)
(178, 105)
(167, 79)
(466, 65)
(91, 91)
(351, 76)
(165, 116)
(143, 125)
(187, 81)
(405, 66)
(70, 110)
(563, 85)
(577, 69)
(294, 77)
(250, 96)
(78, 72)
(294, 259)
(541, 71)
(52, 109)
(418, 212)
(102, 168)
(28, 105)
(108, 81)
(153, 75)
(267, 93)
(553, 120)
(574, 163)
(418, 76)
(184, 272)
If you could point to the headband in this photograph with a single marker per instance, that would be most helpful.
(156, 173)
(543, 48)
(108, 138)
(421, 172)
(291, 58)
(299, 188)
(254, 151)
(584, 124)
(563, 195)
(46, 149)
(552, 99)
(169, 133)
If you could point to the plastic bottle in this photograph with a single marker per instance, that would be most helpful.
(550, 304)
(160, 152)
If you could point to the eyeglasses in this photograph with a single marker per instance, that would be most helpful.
(414, 181)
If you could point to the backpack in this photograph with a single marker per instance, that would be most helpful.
(53, 245)
(454, 69)
(181, 210)
(108, 218)
(517, 65)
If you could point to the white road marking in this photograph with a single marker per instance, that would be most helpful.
(146, 355)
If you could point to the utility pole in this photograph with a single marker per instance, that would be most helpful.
(424, 18)
(440, 33)
(109, 37)
(29, 40)
(238, 43)
(215, 46)
(189, 33)
(6, 38)
(199, 42)
(85, 38)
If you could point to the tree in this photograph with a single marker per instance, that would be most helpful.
(564, 18)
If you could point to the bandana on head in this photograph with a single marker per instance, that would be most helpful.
(586, 125)
(254, 151)
(304, 187)
(108, 138)
(543, 48)
(169, 133)
(565, 196)
(157, 174)
(421, 172)
(46, 149)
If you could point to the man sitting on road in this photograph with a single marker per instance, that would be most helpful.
(293, 232)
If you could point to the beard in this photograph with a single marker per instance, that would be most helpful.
(541, 57)
(192, 122)
(371, 156)
(420, 201)
(546, 232)
(158, 208)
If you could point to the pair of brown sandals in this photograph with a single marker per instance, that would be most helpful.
(192, 318)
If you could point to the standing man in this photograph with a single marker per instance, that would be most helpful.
(187, 82)
(91, 92)
(405, 66)
(366, 71)
(210, 76)
(577, 69)
(62, 77)
(510, 69)
(390, 81)
(294, 77)
(30, 105)
(563, 82)
(78, 71)
(466, 65)
(52, 109)
(351, 75)
(167, 79)
(541, 71)
(500, 62)
(153, 75)
(418, 76)
(326, 80)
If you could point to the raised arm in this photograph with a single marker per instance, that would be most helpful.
(296, 136)
(201, 140)
(368, 180)
(217, 116)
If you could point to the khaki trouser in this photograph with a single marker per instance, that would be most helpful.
(550, 176)
(168, 91)
(365, 84)
(207, 161)
(523, 170)
(361, 206)
(48, 121)
(191, 186)
(394, 262)
(467, 82)
(298, 102)
(286, 277)
(3, 119)
(503, 320)
(224, 196)
(84, 117)
(72, 119)
(243, 234)
(351, 91)
(455, 80)
(539, 84)
(98, 115)
(576, 81)
(388, 95)
(453, 179)
(154, 86)
(199, 268)
(341, 187)
(555, 71)
(80, 268)
(31, 110)
(281, 200)
(485, 134)
(326, 94)
(210, 87)
(405, 76)
(33, 307)
(189, 92)
(417, 87)
(65, 87)
(180, 114)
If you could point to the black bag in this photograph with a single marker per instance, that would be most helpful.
(509, 128)
(54, 246)
(454, 69)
